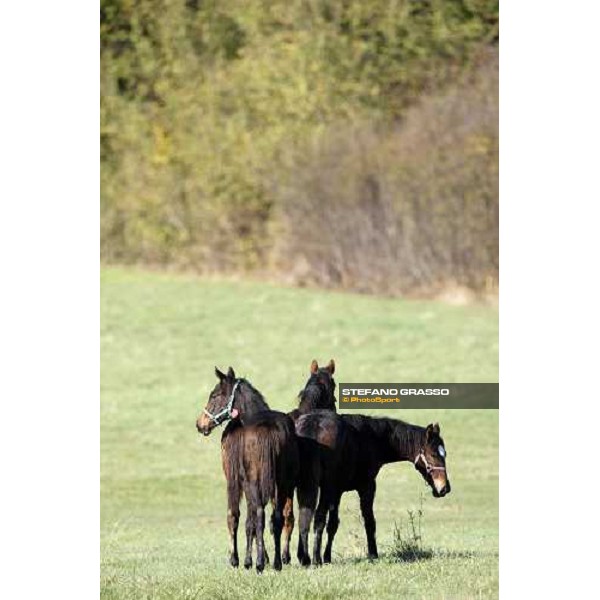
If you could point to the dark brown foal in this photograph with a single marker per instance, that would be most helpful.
(260, 459)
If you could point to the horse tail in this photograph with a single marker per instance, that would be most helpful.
(280, 463)
(232, 463)
(267, 485)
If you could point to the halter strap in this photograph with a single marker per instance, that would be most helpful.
(225, 414)
(428, 467)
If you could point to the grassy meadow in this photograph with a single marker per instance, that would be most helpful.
(163, 502)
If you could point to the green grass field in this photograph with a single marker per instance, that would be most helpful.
(163, 504)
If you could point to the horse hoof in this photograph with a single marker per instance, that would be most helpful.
(234, 561)
(327, 559)
(286, 559)
(248, 563)
(305, 561)
(277, 565)
(373, 556)
(260, 567)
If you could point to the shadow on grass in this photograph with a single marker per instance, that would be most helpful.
(387, 557)
(408, 554)
(415, 554)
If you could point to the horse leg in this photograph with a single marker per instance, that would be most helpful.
(332, 526)
(233, 519)
(288, 527)
(277, 526)
(250, 534)
(307, 500)
(260, 539)
(267, 559)
(319, 526)
(367, 497)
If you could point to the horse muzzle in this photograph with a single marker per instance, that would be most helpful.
(203, 425)
(439, 491)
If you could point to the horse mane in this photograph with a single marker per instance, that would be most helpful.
(408, 437)
(252, 400)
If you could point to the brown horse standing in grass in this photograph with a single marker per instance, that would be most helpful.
(352, 450)
(260, 458)
(318, 393)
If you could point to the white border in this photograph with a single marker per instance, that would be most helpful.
(549, 195)
(49, 331)
(49, 318)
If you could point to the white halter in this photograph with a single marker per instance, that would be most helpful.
(428, 467)
(225, 414)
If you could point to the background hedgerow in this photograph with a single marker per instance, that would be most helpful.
(255, 136)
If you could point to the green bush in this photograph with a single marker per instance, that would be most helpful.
(205, 104)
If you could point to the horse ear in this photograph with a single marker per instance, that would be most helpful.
(230, 373)
(431, 431)
(314, 366)
(428, 432)
(331, 367)
(220, 374)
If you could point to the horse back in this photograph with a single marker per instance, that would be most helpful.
(324, 427)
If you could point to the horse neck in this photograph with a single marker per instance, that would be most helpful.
(402, 441)
(250, 400)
